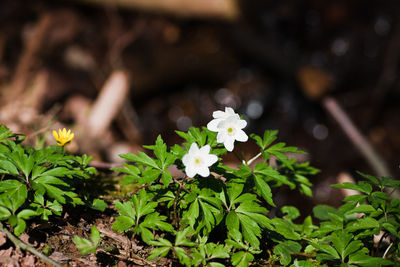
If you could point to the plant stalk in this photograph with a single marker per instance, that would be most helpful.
(20, 244)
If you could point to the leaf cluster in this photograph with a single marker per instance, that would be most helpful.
(37, 182)
(214, 221)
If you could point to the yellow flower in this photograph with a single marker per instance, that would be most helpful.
(63, 137)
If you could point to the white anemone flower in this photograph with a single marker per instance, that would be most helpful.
(229, 130)
(219, 116)
(198, 160)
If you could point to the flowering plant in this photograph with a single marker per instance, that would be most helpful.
(38, 183)
(214, 215)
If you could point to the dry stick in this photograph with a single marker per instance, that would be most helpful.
(108, 103)
(32, 47)
(389, 72)
(225, 9)
(361, 143)
(20, 244)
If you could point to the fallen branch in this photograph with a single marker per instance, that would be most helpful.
(32, 47)
(359, 141)
(20, 244)
(225, 9)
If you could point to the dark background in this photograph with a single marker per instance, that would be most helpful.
(275, 63)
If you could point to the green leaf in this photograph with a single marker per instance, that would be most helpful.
(149, 176)
(367, 261)
(126, 209)
(285, 228)
(4, 133)
(15, 191)
(324, 212)
(264, 189)
(122, 223)
(159, 252)
(363, 208)
(327, 249)
(4, 213)
(26, 214)
(361, 186)
(363, 223)
(98, 204)
(284, 249)
(242, 259)
(272, 174)
(292, 212)
(20, 227)
(9, 167)
(86, 246)
(141, 158)
(269, 137)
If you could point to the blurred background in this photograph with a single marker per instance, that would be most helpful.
(120, 72)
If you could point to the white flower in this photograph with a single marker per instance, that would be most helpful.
(229, 127)
(219, 116)
(230, 130)
(198, 161)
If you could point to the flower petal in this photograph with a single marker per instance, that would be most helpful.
(186, 159)
(193, 149)
(241, 136)
(213, 125)
(228, 143)
(221, 136)
(190, 171)
(203, 171)
(229, 111)
(211, 159)
(205, 150)
(55, 135)
(241, 124)
(218, 114)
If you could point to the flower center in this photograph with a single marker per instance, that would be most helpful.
(198, 161)
(231, 131)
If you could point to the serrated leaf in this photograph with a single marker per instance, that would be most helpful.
(291, 212)
(242, 259)
(327, 249)
(264, 189)
(9, 167)
(284, 249)
(122, 223)
(15, 191)
(363, 208)
(285, 228)
(141, 158)
(4, 213)
(363, 223)
(323, 212)
(367, 261)
(98, 204)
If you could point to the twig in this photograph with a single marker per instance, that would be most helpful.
(108, 103)
(25, 63)
(20, 244)
(226, 9)
(389, 71)
(359, 141)
(104, 165)
(387, 250)
(134, 258)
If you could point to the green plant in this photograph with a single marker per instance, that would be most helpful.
(214, 215)
(37, 182)
(87, 246)
(231, 205)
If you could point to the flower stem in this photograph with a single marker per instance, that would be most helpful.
(250, 161)
(20, 244)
